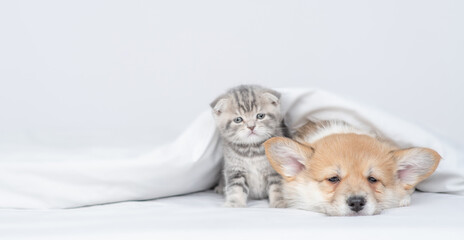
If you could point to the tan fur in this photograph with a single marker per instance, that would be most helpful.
(401, 153)
(308, 128)
(307, 152)
(353, 158)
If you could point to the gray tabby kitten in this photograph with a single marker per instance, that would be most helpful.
(246, 117)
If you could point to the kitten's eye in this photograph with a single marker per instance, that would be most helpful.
(335, 179)
(372, 179)
(260, 115)
(238, 120)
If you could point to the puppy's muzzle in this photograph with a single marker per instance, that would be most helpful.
(356, 203)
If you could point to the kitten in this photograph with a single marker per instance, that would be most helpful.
(246, 117)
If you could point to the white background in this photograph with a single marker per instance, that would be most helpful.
(129, 73)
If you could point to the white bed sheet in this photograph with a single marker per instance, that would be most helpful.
(200, 216)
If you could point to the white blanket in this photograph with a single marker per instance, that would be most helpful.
(38, 179)
(200, 216)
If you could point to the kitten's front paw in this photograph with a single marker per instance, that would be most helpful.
(234, 204)
(277, 204)
(219, 189)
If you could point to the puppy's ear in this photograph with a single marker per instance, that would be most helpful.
(272, 96)
(219, 104)
(287, 156)
(415, 165)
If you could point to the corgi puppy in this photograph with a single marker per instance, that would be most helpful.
(333, 168)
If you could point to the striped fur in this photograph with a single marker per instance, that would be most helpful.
(246, 171)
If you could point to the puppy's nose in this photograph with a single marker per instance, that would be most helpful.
(356, 203)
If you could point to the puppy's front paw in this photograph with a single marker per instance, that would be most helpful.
(235, 204)
(405, 201)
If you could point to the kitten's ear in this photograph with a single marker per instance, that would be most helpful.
(415, 165)
(287, 156)
(272, 96)
(219, 104)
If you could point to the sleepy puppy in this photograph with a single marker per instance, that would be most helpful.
(336, 169)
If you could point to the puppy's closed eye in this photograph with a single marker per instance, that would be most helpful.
(372, 179)
(334, 179)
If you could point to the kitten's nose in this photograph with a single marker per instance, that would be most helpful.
(356, 203)
(251, 127)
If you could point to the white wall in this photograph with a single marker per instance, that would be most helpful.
(125, 73)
